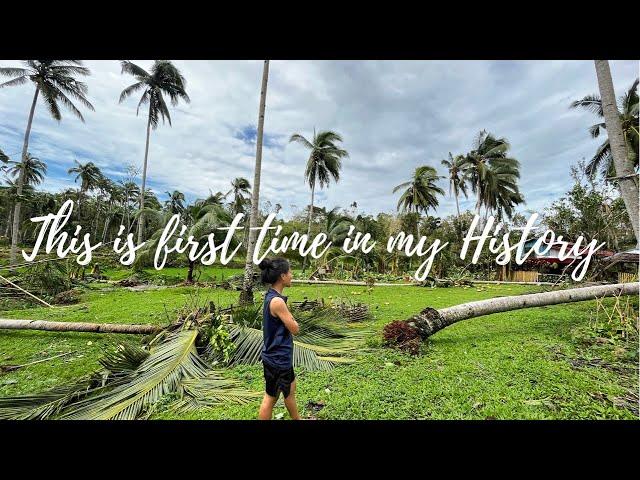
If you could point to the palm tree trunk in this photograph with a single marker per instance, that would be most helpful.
(144, 181)
(624, 168)
(455, 191)
(107, 222)
(313, 190)
(190, 271)
(8, 229)
(13, 324)
(430, 321)
(246, 295)
(16, 210)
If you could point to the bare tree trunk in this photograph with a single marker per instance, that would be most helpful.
(624, 168)
(313, 190)
(13, 324)
(18, 205)
(430, 320)
(459, 225)
(190, 271)
(246, 295)
(8, 229)
(144, 181)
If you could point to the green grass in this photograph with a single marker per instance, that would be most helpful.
(515, 365)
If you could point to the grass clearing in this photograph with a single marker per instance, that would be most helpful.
(536, 363)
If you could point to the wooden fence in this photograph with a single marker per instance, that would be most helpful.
(523, 276)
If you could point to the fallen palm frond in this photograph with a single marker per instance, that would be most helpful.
(316, 347)
(210, 391)
(123, 358)
(135, 380)
(161, 373)
(46, 405)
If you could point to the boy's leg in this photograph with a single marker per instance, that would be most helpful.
(266, 408)
(290, 402)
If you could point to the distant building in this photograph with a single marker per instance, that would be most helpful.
(551, 257)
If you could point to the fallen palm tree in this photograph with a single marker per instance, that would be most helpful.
(429, 321)
(50, 326)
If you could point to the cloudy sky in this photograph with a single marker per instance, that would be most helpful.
(393, 115)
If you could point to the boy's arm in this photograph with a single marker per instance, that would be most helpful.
(279, 308)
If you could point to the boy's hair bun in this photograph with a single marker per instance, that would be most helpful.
(272, 268)
(266, 264)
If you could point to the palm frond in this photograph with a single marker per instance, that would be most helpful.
(48, 404)
(249, 342)
(16, 81)
(211, 391)
(123, 358)
(168, 364)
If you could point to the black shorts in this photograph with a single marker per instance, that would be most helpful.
(278, 379)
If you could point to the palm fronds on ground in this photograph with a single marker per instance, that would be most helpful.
(135, 381)
(321, 344)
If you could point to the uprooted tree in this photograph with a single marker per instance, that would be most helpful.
(407, 333)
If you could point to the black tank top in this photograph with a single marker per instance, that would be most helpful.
(278, 341)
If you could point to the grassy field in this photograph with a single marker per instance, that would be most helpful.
(542, 363)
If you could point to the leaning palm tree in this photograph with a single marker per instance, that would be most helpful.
(89, 175)
(239, 187)
(626, 175)
(324, 163)
(54, 79)
(164, 78)
(420, 193)
(602, 161)
(175, 204)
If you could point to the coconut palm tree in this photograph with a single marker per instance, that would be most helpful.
(34, 170)
(54, 79)
(164, 79)
(602, 161)
(489, 152)
(11, 194)
(337, 226)
(500, 190)
(246, 295)
(626, 175)
(130, 193)
(420, 193)
(239, 187)
(175, 204)
(89, 175)
(457, 177)
(324, 163)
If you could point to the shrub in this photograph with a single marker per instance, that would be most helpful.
(67, 297)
